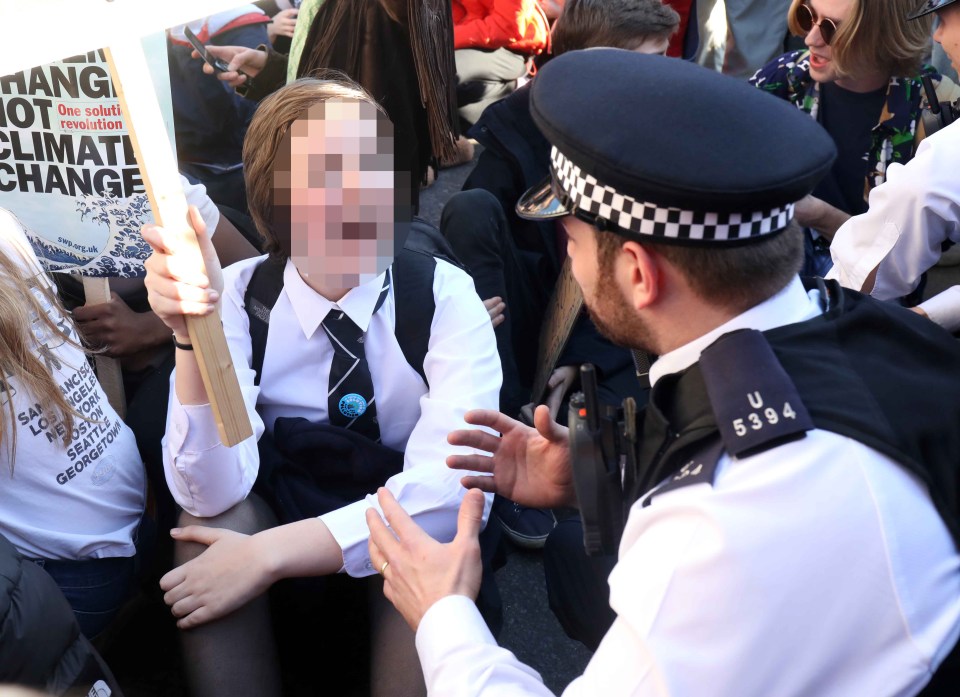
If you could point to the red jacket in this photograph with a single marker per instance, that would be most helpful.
(519, 25)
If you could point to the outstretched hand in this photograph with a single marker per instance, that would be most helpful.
(417, 570)
(530, 466)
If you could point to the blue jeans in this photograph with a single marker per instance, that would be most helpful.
(97, 588)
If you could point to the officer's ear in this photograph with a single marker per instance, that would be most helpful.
(644, 274)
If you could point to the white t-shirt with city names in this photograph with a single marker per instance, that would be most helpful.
(75, 501)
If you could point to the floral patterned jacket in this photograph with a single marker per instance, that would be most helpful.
(788, 77)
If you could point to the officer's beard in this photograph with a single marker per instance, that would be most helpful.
(615, 319)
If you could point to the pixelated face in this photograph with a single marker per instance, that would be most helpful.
(947, 32)
(341, 193)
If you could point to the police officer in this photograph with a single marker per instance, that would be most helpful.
(796, 447)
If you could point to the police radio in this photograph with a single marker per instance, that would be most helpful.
(603, 455)
(939, 114)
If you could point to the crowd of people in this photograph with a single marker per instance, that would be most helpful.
(756, 400)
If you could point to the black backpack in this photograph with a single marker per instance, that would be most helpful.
(412, 276)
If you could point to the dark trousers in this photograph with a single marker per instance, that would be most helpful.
(577, 588)
(474, 224)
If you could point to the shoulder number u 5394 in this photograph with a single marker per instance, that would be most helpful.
(758, 419)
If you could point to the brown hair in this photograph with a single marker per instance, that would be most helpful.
(267, 142)
(736, 277)
(19, 309)
(877, 37)
(613, 23)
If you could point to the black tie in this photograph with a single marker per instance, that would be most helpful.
(350, 399)
(350, 396)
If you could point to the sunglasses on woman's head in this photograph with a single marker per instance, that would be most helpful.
(807, 19)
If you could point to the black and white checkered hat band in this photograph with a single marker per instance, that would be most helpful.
(599, 200)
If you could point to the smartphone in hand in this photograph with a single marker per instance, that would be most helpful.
(215, 63)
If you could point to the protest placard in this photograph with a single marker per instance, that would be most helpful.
(82, 25)
(67, 165)
(565, 307)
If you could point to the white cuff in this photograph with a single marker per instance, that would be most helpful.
(944, 309)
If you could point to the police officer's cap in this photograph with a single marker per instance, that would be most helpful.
(655, 147)
(930, 6)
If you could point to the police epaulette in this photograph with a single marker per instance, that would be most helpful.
(755, 403)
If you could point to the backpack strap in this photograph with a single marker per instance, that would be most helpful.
(258, 300)
(412, 274)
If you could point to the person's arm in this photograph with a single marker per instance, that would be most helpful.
(118, 330)
(943, 308)
(263, 63)
(463, 370)
(205, 477)
(230, 244)
(528, 465)
(700, 590)
(910, 215)
(236, 568)
(434, 587)
(816, 213)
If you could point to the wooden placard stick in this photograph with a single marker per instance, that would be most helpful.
(96, 290)
(564, 308)
(158, 168)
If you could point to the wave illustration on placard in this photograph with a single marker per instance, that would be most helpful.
(125, 250)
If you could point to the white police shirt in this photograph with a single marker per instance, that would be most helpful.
(910, 215)
(801, 571)
(462, 366)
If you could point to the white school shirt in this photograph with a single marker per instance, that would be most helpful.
(79, 501)
(462, 366)
(819, 567)
(910, 215)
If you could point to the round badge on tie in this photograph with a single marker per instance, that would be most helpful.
(352, 405)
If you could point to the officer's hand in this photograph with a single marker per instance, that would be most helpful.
(420, 571)
(530, 466)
